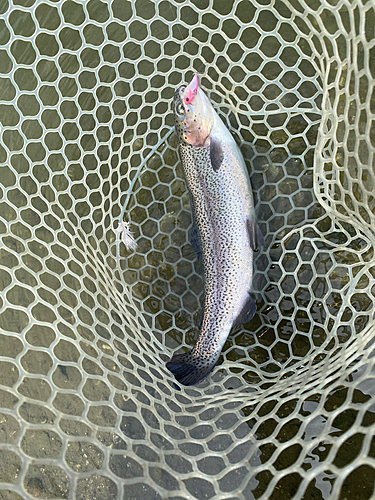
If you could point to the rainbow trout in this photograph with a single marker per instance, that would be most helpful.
(223, 213)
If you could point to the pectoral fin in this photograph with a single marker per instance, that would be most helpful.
(255, 236)
(216, 154)
(248, 310)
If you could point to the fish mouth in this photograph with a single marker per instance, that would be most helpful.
(191, 90)
(186, 94)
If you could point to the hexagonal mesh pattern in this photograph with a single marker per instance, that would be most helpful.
(88, 409)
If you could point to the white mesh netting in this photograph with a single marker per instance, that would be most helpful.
(88, 410)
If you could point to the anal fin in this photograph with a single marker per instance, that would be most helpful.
(200, 319)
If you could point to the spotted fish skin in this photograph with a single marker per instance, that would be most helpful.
(222, 206)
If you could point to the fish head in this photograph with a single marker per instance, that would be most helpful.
(193, 113)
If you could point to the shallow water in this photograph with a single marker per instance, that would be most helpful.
(88, 409)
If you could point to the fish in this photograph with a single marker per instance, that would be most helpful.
(224, 222)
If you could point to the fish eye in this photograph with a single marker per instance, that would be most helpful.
(180, 109)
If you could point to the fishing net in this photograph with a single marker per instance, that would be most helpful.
(88, 410)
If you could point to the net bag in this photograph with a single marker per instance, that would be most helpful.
(87, 407)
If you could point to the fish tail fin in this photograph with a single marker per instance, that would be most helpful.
(189, 369)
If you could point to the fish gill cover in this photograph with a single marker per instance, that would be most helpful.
(88, 409)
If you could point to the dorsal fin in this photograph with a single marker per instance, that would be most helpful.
(255, 236)
(247, 312)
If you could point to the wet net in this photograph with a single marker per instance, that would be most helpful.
(88, 410)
